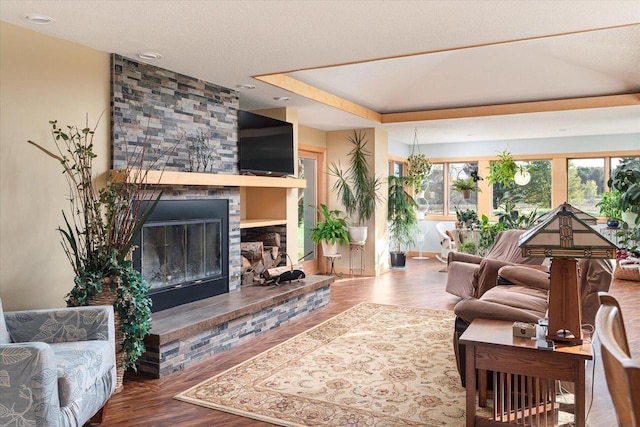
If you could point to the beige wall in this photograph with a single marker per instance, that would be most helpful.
(41, 79)
(311, 136)
(377, 248)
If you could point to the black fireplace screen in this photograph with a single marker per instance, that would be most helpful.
(181, 253)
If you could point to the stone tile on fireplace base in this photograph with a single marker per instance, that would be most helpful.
(184, 335)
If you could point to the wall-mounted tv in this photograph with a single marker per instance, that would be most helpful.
(265, 145)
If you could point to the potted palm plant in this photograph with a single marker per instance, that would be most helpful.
(331, 231)
(402, 219)
(357, 187)
(97, 237)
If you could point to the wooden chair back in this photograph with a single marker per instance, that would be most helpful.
(621, 371)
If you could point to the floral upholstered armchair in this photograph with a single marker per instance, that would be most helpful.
(57, 367)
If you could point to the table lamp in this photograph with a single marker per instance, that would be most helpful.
(563, 236)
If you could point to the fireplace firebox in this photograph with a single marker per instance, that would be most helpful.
(182, 251)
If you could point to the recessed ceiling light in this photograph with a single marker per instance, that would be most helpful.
(149, 56)
(282, 98)
(37, 18)
(563, 130)
(245, 87)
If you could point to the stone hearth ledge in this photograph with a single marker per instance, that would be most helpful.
(186, 334)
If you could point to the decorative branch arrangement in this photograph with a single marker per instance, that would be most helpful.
(201, 152)
(99, 229)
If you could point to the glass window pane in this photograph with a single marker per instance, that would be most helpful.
(457, 199)
(536, 194)
(434, 191)
(307, 214)
(585, 183)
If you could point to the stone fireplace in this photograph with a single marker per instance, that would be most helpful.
(175, 117)
(188, 128)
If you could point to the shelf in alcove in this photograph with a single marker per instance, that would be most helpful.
(260, 222)
(213, 179)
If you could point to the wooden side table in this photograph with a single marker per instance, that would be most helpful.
(524, 376)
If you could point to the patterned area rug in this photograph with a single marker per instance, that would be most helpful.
(373, 365)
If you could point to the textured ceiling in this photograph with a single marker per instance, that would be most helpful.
(387, 56)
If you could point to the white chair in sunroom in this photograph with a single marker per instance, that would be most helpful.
(447, 244)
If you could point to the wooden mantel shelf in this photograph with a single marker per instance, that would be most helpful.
(213, 180)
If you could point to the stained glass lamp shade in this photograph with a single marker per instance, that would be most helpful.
(564, 236)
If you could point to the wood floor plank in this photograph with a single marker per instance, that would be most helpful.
(149, 402)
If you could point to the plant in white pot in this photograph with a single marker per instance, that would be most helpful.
(331, 231)
(357, 187)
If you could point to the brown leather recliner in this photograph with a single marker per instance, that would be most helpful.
(467, 273)
(521, 294)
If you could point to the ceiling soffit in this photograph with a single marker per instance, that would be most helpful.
(588, 69)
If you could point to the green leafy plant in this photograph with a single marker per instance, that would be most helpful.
(511, 218)
(503, 170)
(609, 205)
(357, 187)
(99, 229)
(626, 181)
(467, 218)
(468, 248)
(488, 233)
(418, 169)
(332, 229)
(401, 212)
(462, 184)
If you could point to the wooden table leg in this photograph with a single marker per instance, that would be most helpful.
(482, 388)
(470, 381)
(580, 395)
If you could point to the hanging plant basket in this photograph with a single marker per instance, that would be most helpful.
(419, 166)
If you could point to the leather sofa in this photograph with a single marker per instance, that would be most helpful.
(466, 273)
(520, 293)
(57, 366)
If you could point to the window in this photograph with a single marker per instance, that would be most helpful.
(457, 199)
(585, 183)
(434, 191)
(396, 168)
(534, 195)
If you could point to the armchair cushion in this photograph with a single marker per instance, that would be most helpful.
(78, 365)
(512, 302)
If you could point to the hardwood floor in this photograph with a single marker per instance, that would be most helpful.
(149, 402)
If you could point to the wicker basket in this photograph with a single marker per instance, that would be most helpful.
(628, 272)
(108, 297)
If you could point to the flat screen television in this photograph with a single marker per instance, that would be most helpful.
(265, 145)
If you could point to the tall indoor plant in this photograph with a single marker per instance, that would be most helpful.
(357, 186)
(97, 237)
(402, 218)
